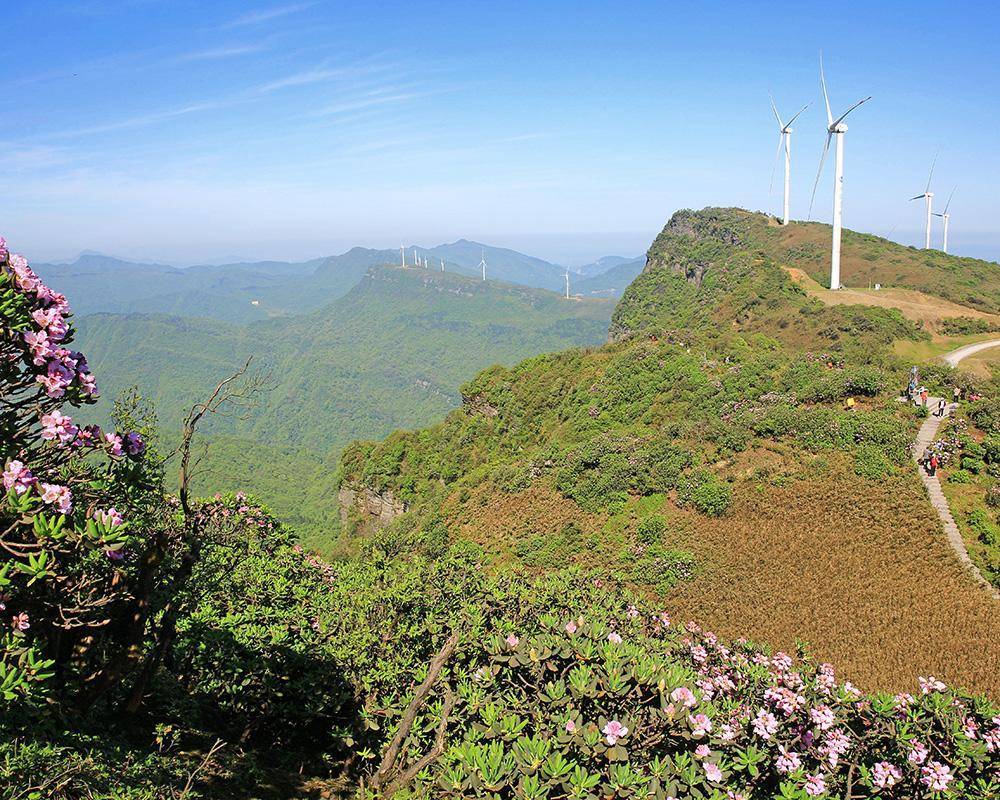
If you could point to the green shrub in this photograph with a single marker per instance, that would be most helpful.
(651, 530)
(960, 476)
(707, 493)
(870, 462)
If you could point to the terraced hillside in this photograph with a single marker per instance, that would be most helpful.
(709, 454)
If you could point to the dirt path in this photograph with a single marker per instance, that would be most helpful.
(928, 433)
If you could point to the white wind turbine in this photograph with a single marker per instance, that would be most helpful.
(482, 264)
(945, 216)
(567, 284)
(402, 253)
(928, 198)
(442, 265)
(784, 138)
(835, 127)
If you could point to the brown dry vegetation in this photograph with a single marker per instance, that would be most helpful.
(865, 576)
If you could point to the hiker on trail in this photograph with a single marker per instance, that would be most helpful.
(956, 395)
(932, 464)
(940, 408)
(923, 395)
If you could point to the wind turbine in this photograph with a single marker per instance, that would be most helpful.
(835, 127)
(928, 198)
(482, 264)
(567, 284)
(402, 253)
(945, 216)
(442, 265)
(784, 138)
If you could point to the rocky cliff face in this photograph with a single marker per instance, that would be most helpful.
(377, 509)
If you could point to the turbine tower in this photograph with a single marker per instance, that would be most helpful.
(402, 253)
(567, 284)
(928, 198)
(945, 216)
(482, 264)
(784, 138)
(442, 265)
(835, 127)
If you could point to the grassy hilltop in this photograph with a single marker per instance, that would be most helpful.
(706, 455)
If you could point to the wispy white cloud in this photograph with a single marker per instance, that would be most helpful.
(372, 99)
(144, 119)
(267, 14)
(219, 53)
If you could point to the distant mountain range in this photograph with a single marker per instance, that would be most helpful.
(254, 291)
(391, 352)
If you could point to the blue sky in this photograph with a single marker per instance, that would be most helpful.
(185, 131)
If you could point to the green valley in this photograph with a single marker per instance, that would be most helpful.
(388, 354)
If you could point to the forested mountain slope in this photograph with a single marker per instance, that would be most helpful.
(390, 353)
(708, 454)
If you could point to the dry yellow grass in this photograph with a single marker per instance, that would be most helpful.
(860, 571)
(917, 306)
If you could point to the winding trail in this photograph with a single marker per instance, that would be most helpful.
(927, 434)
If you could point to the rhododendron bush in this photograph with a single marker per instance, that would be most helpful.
(575, 708)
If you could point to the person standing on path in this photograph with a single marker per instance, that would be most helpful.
(940, 408)
(932, 465)
(956, 395)
(923, 396)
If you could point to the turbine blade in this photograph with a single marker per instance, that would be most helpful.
(774, 167)
(822, 160)
(774, 108)
(931, 173)
(949, 200)
(797, 115)
(826, 97)
(918, 197)
(937, 214)
(860, 102)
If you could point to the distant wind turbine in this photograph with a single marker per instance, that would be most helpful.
(482, 264)
(416, 258)
(835, 127)
(784, 138)
(442, 265)
(567, 284)
(402, 253)
(945, 216)
(928, 198)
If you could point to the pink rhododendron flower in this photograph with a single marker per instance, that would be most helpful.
(512, 640)
(815, 785)
(918, 753)
(822, 717)
(571, 627)
(782, 662)
(20, 622)
(700, 725)
(134, 445)
(684, 696)
(58, 496)
(18, 477)
(56, 426)
(885, 775)
(970, 728)
(712, 772)
(614, 638)
(614, 731)
(115, 442)
(788, 762)
(632, 612)
(702, 751)
(110, 518)
(765, 725)
(570, 726)
(936, 776)
(931, 684)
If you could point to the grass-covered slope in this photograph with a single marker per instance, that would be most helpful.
(388, 354)
(707, 454)
(866, 258)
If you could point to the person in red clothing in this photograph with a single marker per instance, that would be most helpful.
(932, 465)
